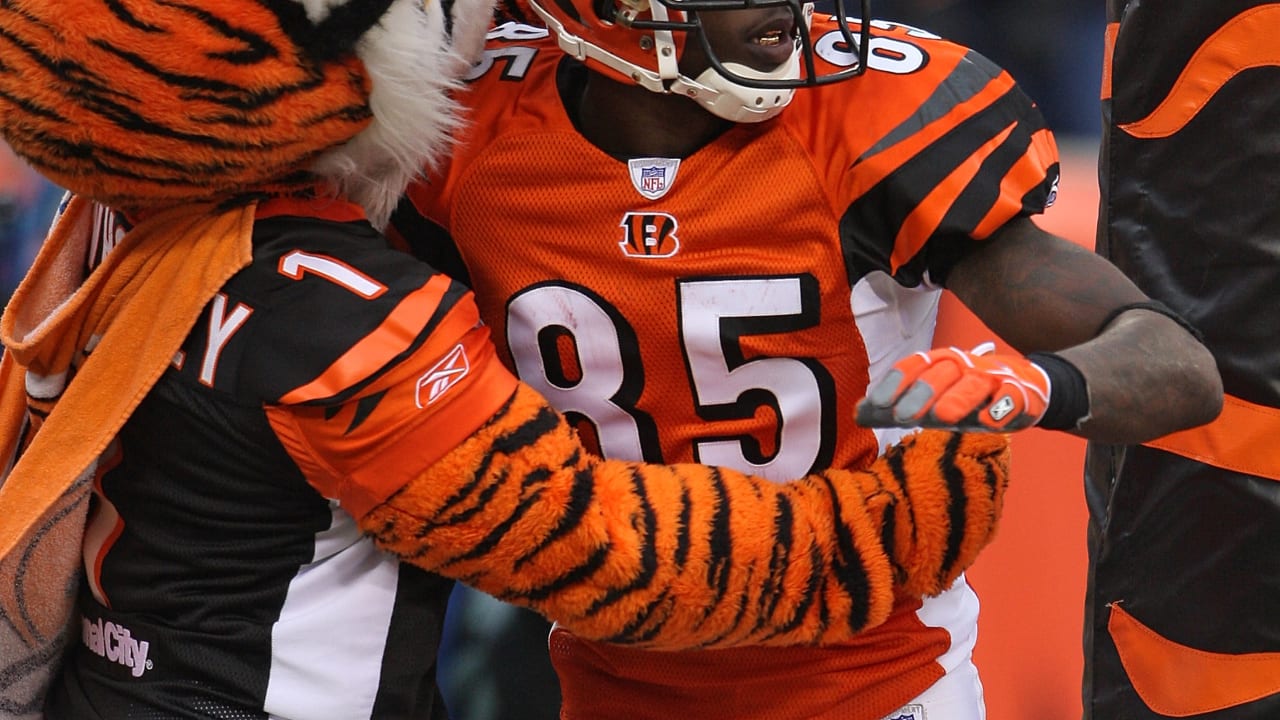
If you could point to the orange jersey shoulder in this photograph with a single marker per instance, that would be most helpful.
(932, 144)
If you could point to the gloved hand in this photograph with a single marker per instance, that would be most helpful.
(949, 388)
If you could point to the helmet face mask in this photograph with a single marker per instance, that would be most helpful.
(644, 42)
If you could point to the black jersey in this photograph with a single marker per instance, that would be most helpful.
(219, 581)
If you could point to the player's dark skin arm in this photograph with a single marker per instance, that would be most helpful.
(1147, 376)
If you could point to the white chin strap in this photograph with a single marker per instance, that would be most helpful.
(724, 98)
(719, 95)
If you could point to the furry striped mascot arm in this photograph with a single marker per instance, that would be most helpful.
(455, 466)
(691, 556)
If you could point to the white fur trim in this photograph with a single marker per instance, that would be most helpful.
(414, 66)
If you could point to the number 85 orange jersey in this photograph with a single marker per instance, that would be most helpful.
(730, 307)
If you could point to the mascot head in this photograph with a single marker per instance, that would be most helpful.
(144, 104)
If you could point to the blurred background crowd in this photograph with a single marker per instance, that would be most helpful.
(1054, 49)
(27, 202)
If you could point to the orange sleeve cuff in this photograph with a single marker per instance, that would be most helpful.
(362, 452)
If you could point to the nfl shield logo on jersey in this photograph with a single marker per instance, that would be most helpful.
(653, 177)
(908, 712)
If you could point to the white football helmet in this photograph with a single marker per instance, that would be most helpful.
(642, 41)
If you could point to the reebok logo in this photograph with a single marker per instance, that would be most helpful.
(442, 376)
(1001, 407)
(115, 643)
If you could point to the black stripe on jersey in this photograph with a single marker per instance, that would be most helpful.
(446, 305)
(975, 200)
(966, 81)
(1037, 198)
(427, 241)
(870, 225)
(406, 686)
(365, 408)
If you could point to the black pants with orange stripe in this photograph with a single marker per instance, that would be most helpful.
(1183, 602)
(1191, 553)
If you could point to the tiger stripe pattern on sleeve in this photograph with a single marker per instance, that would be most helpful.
(691, 556)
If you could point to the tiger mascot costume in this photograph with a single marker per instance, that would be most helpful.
(249, 446)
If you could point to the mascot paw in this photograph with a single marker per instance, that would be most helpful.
(939, 496)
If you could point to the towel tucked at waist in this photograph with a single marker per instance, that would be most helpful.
(80, 354)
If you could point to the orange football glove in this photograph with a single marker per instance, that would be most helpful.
(950, 388)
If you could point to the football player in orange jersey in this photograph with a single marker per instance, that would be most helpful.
(695, 259)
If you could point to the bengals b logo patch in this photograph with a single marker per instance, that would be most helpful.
(649, 235)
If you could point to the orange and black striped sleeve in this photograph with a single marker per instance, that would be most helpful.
(961, 161)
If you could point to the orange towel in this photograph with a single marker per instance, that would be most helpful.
(88, 350)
